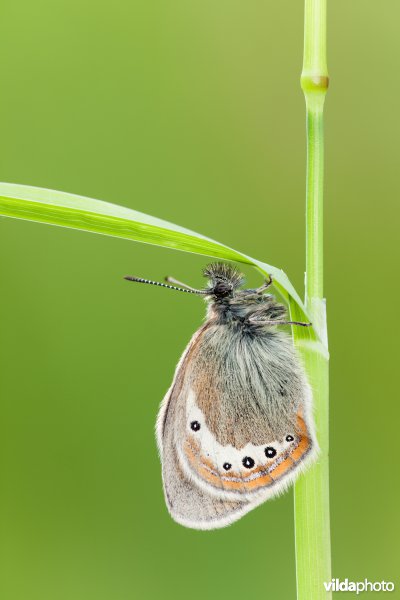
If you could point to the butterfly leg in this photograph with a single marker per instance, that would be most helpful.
(265, 285)
(280, 322)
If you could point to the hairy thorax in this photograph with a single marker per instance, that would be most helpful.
(245, 307)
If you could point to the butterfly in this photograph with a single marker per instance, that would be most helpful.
(236, 426)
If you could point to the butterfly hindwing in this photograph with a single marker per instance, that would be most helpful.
(234, 429)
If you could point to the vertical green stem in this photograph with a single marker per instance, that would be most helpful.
(314, 203)
(313, 553)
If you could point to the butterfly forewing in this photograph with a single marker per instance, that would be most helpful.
(187, 502)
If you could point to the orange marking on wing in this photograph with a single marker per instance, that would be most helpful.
(226, 485)
(282, 468)
(192, 450)
(294, 457)
(230, 474)
(210, 477)
(208, 471)
(199, 468)
(261, 481)
(258, 469)
(301, 449)
(253, 484)
(192, 443)
(208, 463)
(301, 425)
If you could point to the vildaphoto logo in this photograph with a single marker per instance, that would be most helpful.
(336, 585)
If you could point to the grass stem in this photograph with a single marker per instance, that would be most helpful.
(312, 526)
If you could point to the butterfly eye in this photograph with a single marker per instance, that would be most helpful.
(270, 452)
(289, 438)
(248, 462)
(227, 466)
(195, 426)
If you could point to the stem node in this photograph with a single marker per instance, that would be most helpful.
(314, 83)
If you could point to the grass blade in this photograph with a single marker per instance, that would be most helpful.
(86, 214)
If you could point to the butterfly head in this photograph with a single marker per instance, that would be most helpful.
(224, 280)
(224, 283)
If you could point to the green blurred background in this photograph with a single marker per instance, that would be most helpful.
(190, 111)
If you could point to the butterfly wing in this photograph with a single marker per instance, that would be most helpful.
(235, 428)
(187, 503)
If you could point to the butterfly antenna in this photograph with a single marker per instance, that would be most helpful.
(170, 287)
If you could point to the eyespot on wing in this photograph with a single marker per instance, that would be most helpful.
(253, 470)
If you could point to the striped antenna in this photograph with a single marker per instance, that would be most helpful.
(170, 287)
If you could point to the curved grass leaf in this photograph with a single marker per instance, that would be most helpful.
(77, 212)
